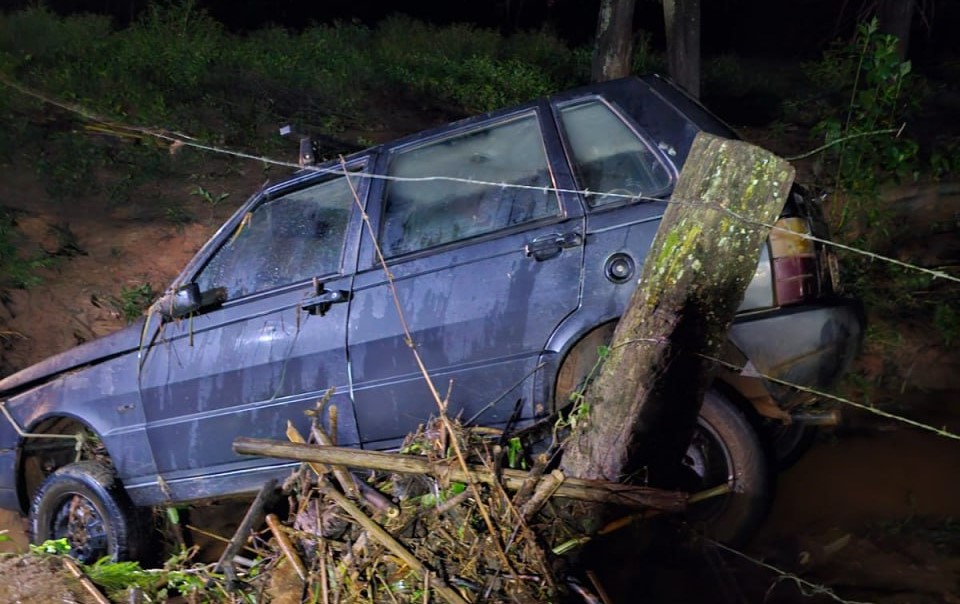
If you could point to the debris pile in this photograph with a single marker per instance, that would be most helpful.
(448, 518)
(391, 536)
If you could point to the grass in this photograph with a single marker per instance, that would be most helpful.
(134, 300)
(178, 68)
(18, 267)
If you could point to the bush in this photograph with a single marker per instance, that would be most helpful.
(879, 90)
(18, 270)
(177, 68)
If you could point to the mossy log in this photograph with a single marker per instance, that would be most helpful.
(643, 406)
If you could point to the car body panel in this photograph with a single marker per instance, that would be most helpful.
(104, 397)
(479, 310)
(810, 345)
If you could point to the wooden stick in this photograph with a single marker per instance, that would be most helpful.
(545, 490)
(598, 587)
(293, 435)
(451, 503)
(332, 416)
(243, 531)
(386, 539)
(339, 471)
(285, 546)
(530, 482)
(374, 498)
(572, 488)
(95, 593)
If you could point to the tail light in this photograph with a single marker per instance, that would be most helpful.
(794, 256)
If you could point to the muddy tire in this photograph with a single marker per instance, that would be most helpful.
(84, 503)
(726, 449)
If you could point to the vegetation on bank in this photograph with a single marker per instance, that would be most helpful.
(178, 68)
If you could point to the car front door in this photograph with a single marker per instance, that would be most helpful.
(268, 344)
(485, 258)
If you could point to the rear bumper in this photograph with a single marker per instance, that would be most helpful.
(810, 345)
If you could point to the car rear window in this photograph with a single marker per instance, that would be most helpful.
(610, 160)
(469, 184)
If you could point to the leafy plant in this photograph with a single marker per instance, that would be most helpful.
(177, 216)
(515, 453)
(135, 300)
(51, 547)
(16, 270)
(865, 135)
(212, 200)
(67, 166)
(118, 577)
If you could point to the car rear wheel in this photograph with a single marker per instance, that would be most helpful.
(83, 503)
(726, 449)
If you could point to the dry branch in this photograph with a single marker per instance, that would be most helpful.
(88, 585)
(584, 490)
(285, 546)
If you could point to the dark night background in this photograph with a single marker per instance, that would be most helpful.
(773, 28)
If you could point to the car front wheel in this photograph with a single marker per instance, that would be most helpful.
(84, 504)
(726, 449)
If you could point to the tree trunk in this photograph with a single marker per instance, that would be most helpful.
(681, 20)
(643, 406)
(613, 51)
(895, 17)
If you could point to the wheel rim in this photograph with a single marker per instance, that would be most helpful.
(79, 522)
(710, 460)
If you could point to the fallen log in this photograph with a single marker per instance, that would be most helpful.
(571, 488)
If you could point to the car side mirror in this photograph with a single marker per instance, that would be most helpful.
(180, 302)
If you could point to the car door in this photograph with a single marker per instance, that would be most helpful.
(268, 346)
(485, 258)
(626, 179)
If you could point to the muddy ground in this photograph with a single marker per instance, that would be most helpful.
(885, 496)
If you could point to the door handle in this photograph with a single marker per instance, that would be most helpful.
(320, 303)
(549, 246)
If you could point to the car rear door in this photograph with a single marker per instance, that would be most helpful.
(485, 258)
(270, 350)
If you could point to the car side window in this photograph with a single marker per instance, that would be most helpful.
(420, 214)
(291, 238)
(609, 158)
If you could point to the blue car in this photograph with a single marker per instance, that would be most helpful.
(514, 240)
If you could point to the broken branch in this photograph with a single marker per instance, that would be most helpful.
(571, 488)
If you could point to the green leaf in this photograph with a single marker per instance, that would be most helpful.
(173, 515)
(51, 547)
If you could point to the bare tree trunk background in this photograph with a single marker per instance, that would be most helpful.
(681, 20)
(896, 17)
(613, 51)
